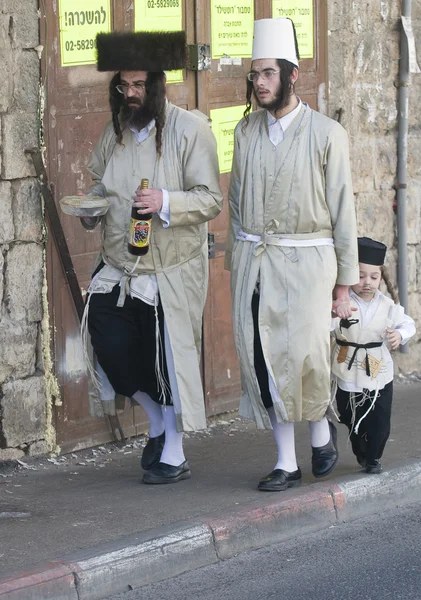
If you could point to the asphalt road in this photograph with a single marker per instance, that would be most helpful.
(374, 558)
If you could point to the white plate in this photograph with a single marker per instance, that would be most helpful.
(84, 206)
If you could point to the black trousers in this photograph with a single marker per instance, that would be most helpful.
(374, 430)
(259, 360)
(124, 340)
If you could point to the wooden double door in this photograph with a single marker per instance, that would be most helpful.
(75, 113)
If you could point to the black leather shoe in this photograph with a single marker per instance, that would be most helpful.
(325, 458)
(279, 480)
(163, 473)
(373, 468)
(152, 452)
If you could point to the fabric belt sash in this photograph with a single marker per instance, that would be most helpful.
(358, 347)
(272, 239)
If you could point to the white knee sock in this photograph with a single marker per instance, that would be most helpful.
(153, 410)
(285, 441)
(319, 432)
(173, 453)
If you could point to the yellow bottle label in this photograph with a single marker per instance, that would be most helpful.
(140, 233)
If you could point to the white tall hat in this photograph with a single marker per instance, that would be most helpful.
(274, 38)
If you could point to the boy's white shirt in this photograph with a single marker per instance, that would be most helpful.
(367, 312)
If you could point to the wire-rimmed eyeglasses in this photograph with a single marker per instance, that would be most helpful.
(265, 75)
(123, 88)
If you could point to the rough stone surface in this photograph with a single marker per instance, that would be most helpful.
(23, 409)
(1, 275)
(5, 64)
(375, 216)
(27, 210)
(26, 81)
(38, 448)
(17, 350)
(7, 454)
(23, 22)
(24, 282)
(7, 229)
(20, 134)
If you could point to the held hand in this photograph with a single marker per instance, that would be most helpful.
(394, 338)
(148, 201)
(341, 306)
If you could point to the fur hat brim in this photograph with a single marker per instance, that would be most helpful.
(141, 51)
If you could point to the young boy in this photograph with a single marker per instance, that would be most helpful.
(361, 362)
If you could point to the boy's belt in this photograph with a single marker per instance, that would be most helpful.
(358, 347)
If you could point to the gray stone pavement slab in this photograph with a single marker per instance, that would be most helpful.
(53, 509)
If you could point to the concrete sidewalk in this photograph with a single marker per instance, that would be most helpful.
(82, 526)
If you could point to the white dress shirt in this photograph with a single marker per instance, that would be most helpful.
(278, 127)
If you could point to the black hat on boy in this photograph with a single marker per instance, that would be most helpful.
(371, 252)
(152, 51)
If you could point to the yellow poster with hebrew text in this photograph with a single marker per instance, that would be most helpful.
(302, 14)
(224, 121)
(79, 23)
(160, 15)
(232, 28)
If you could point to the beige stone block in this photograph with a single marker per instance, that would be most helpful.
(386, 162)
(24, 277)
(375, 217)
(26, 78)
(362, 155)
(17, 350)
(7, 454)
(23, 20)
(412, 269)
(1, 277)
(414, 153)
(27, 210)
(24, 411)
(39, 448)
(375, 107)
(19, 134)
(5, 64)
(7, 229)
(413, 211)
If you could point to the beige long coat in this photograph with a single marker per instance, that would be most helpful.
(178, 256)
(300, 189)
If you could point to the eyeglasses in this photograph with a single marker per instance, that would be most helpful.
(123, 88)
(266, 74)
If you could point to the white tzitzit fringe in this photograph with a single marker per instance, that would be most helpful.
(372, 402)
(84, 335)
(163, 386)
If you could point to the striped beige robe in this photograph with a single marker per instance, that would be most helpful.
(300, 190)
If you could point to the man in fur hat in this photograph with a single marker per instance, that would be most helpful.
(293, 244)
(144, 313)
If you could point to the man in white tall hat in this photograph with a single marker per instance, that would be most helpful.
(292, 251)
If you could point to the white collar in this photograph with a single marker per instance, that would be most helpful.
(287, 119)
(144, 132)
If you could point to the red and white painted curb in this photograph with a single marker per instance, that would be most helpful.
(157, 555)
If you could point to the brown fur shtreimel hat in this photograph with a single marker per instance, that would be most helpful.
(141, 51)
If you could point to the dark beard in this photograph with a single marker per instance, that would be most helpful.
(138, 117)
(280, 102)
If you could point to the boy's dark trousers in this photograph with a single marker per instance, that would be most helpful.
(374, 429)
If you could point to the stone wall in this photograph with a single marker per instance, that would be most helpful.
(363, 46)
(23, 414)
